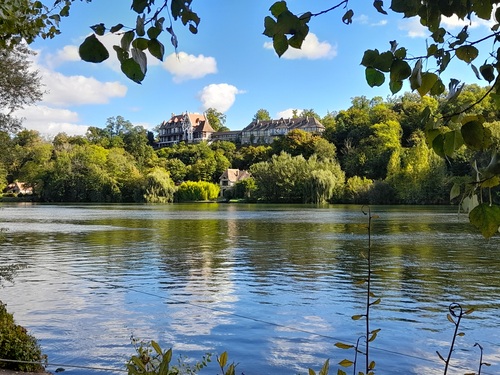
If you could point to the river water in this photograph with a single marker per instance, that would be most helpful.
(275, 286)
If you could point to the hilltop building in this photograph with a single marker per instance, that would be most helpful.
(264, 132)
(186, 127)
(195, 128)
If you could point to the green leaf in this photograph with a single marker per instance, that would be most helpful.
(488, 72)
(428, 82)
(455, 191)
(347, 17)
(280, 44)
(311, 372)
(140, 43)
(356, 317)
(132, 70)
(156, 347)
(277, 8)
(395, 86)
(156, 49)
(269, 27)
(416, 76)
(467, 53)
(400, 53)
(452, 141)
(438, 145)
(121, 54)
(400, 70)
(408, 7)
(92, 50)
(222, 359)
(486, 218)
(153, 32)
(473, 133)
(346, 363)
(126, 39)
(371, 366)
(116, 28)
(438, 88)
(139, 25)
(341, 345)
(374, 77)
(369, 57)
(378, 4)
(384, 61)
(99, 29)
(448, 316)
(139, 5)
(324, 369)
(140, 58)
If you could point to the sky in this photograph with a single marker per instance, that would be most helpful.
(229, 65)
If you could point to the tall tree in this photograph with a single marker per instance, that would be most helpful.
(261, 115)
(216, 119)
(20, 85)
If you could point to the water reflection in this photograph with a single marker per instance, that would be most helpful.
(273, 285)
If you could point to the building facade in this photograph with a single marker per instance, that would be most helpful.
(229, 178)
(186, 127)
(264, 132)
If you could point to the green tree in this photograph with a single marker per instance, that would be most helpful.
(20, 85)
(159, 187)
(417, 175)
(248, 155)
(177, 169)
(261, 115)
(286, 178)
(190, 191)
(216, 119)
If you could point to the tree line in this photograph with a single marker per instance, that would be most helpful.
(373, 152)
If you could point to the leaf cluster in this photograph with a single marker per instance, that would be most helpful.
(144, 36)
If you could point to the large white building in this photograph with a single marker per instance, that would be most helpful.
(186, 127)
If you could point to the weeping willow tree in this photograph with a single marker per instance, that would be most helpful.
(159, 187)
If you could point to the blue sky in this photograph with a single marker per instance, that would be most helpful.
(228, 65)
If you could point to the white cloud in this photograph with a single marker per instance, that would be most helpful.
(288, 113)
(365, 20)
(185, 67)
(312, 49)
(67, 53)
(63, 91)
(219, 96)
(50, 121)
(413, 28)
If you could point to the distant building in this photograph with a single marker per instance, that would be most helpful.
(19, 188)
(264, 132)
(186, 127)
(231, 136)
(229, 178)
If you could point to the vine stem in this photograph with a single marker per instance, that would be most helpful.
(368, 292)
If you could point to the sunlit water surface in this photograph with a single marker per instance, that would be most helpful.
(275, 286)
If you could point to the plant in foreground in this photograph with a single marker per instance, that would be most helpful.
(18, 346)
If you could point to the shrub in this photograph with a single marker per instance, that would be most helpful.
(16, 344)
(191, 191)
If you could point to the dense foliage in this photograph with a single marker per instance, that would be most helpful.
(375, 151)
(18, 345)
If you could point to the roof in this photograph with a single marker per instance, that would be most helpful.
(198, 121)
(290, 124)
(234, 175)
